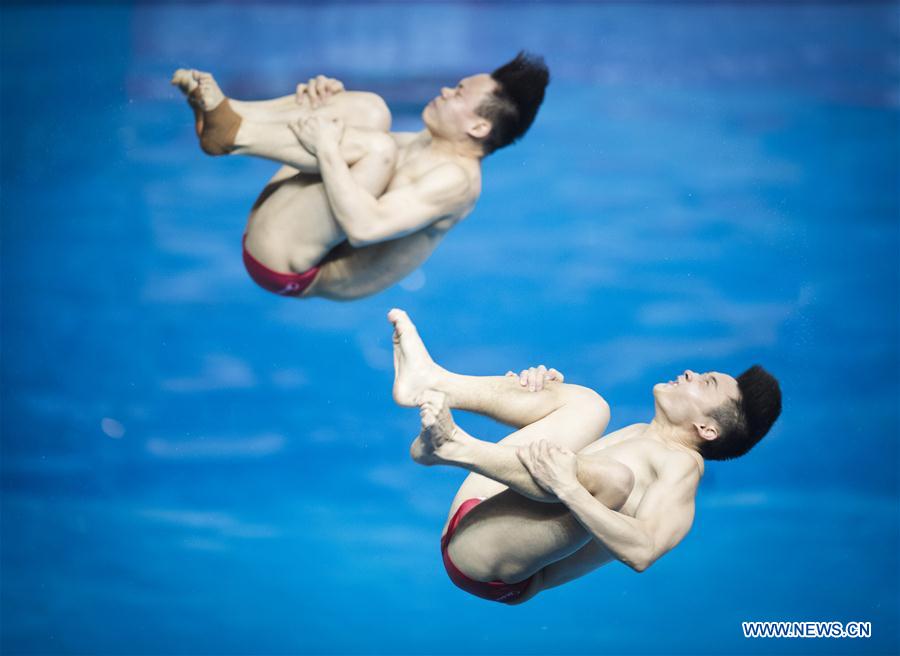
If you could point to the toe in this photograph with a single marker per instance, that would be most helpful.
(398, 315)
(401, 320)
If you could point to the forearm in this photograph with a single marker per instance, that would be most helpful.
(354, 208)
(624, 536)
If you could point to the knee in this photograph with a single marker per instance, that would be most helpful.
(381, 146)
(368, 110)
(609, 481)
(592, 408)
(622, 485)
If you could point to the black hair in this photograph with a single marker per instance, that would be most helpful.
(744, 422)
(511, 108)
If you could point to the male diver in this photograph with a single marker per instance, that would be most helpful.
(355, 207)
(553, 500)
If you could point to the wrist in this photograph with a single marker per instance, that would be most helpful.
(569, 492)
(329, 147)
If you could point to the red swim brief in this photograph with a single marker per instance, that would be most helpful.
(285, 284)
(490, 590)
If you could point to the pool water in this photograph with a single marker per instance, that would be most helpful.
(192, 465)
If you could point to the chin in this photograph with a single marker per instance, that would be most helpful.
(426, 114)
(663, 393)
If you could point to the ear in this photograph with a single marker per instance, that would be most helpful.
(706, 431)
(479, 129)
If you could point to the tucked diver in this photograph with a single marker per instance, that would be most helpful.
(553, 500)
(355, 208)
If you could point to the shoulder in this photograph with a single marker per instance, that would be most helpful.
(445, 182)
(403, 139)
(669, 463)
(678, 468)
(450, 172)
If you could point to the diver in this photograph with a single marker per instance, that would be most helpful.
(553, 501)
(355, 207)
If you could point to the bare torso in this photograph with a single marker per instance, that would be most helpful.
(535, 534)
(293, 225)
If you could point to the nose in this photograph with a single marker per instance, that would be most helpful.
(688, 375)
(445, 92)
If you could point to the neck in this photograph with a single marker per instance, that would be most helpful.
(464, 148)
(673, 436)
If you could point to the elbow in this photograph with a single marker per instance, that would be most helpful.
(373, 229)
(359, 237)
(642, 560)
(640, 565)
(357, 241)
(366, 225)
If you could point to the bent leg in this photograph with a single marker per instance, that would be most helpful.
(356, 109)
(499, 397)
(365, 116)
(567, 415)
(519, 529)
(498, 465)
(274, 110)
(278, 143)
(260, 129)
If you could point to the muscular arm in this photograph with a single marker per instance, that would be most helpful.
(662, 520)
(367, 220)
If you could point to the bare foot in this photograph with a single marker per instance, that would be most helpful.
(216, 122)
(200, 87)
(183, 78)
(414, 370)
(439, 437)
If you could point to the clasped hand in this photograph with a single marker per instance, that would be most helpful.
(552, 467)
(315, 132)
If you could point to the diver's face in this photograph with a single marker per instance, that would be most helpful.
(691, 397)
(452, 113)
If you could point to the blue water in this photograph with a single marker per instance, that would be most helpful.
(706, 186)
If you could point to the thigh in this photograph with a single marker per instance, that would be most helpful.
(291, 227)
(510, 537)
(358, 109)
